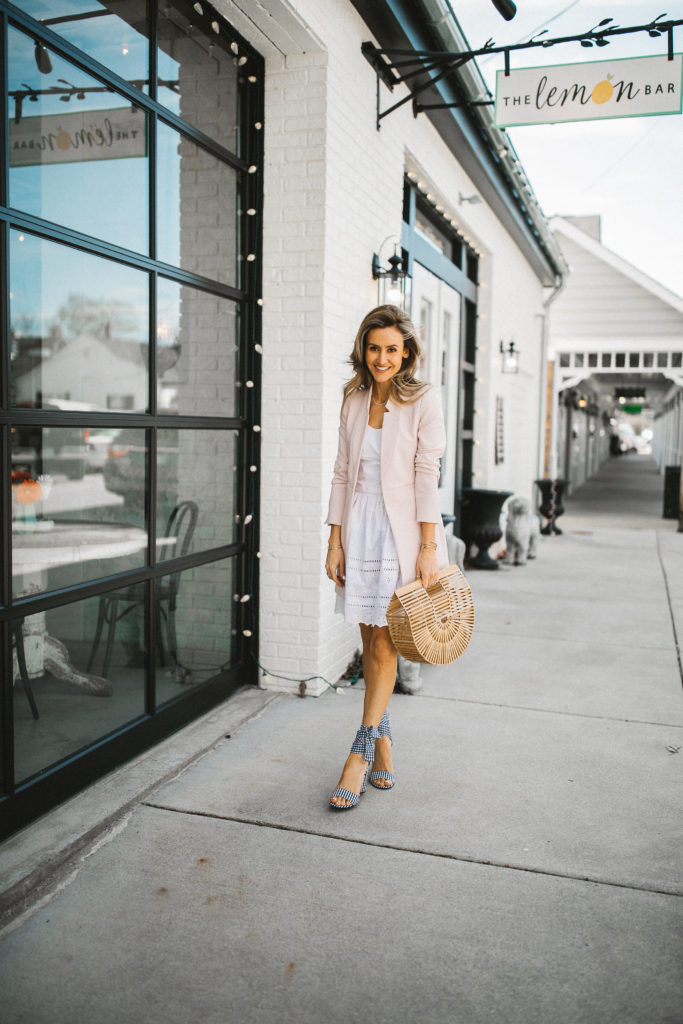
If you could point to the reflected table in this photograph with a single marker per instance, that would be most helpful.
(37, 549)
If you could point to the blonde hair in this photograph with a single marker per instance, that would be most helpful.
(405, 387)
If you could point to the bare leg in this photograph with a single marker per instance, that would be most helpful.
(379, 673)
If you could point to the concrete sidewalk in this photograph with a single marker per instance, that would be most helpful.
(526, 868)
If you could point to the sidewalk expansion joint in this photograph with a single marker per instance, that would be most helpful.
(548, 711)
(671, 609)
(629, 646)
(459, 858)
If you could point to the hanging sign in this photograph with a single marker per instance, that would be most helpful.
(595, 90)
(81, 135)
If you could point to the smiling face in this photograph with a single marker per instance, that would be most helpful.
(384, 353)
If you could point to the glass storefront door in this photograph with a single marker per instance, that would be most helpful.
(437, 315)
(129, 382)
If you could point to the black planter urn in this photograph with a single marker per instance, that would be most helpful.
(551, 507)
(480, 512)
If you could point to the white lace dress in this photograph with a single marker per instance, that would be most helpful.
(372, 569)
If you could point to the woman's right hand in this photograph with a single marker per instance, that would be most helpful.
(335, 567)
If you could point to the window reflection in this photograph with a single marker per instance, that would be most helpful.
(198, 76)
(79, 328)
(74, 704)
(197, 351)
(196, 208)
(113, 33)
(78, 150)
(200, 466)
(72, 520)
(198, 636)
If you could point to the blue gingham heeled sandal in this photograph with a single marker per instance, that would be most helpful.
(384, 730)
(364, 744)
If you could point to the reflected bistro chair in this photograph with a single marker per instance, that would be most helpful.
(114, 607)
(18, 640)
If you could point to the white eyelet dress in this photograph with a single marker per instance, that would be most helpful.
(372, 567)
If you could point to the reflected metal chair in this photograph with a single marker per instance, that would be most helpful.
(18, 639)
(112, 608)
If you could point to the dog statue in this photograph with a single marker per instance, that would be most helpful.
(521, 532)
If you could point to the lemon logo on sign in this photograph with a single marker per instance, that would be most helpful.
(603, 91)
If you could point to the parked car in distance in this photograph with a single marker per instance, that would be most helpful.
(50, 449)
(125, 465)
(98, 441)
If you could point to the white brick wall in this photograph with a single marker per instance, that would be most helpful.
(333, 192)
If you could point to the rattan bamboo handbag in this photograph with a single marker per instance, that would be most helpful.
(432, 625)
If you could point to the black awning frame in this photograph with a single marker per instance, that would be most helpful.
(397, 67)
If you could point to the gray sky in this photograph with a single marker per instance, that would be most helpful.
(628, 170)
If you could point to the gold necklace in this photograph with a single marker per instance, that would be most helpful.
(378, 403)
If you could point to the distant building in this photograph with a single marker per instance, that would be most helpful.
(616, 350)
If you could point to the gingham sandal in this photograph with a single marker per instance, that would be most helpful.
(384, 730)
(364, 744)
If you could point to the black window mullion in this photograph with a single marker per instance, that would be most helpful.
(151, 643)
(46, 601)
(152, 183)
(68, 51)
(4, 133)
(251, 116)
(6, 662)
(138, 261)
(151, 588)
(5, 439)
(152, 354)
(6, 711)
(153, 22)
(5, 346)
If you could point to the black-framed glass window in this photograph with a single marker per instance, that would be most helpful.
(433, 227)
(114, 34)
(76, 705)
(75, 518)
(198, 77)
(129, 462)
(73, 315)
(197, 199)
(198, 621)
(202, 467)
(78, 149)
(198, 350)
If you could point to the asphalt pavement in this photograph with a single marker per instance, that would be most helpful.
(527, 867)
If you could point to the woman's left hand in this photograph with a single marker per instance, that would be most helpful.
(427, 567)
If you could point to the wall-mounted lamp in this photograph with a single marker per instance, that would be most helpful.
(474, 199)
(506, 8)
(393, 282)
(510, 357)
(43, 62)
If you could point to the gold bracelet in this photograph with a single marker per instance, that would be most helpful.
(430, 544)
(338, 548)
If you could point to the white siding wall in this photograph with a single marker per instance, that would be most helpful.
(604, 306)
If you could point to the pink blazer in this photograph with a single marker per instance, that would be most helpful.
(413, 440)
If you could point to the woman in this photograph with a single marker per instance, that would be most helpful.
(385, 525)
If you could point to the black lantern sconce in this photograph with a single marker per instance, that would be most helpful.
(506, 8)
(393, 283)
(510, 357)
(43, 62)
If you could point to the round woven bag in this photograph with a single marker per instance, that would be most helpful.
(432, 625)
